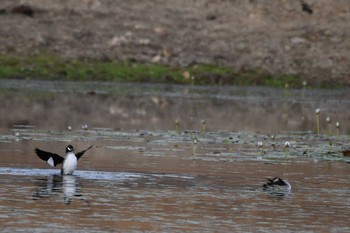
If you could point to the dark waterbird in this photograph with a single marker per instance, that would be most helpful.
(277, 187)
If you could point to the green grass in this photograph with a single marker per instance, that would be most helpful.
(48, 67)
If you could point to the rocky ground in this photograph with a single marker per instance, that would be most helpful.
(276, 36)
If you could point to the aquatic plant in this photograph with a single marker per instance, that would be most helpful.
(330, 146)
(260, 145)
(204, 126)
(337, 125)
(195, 142)
(318, 120)
(287, 144)
(303, 90)
(328, 119)
(273, 144)
(177, 125)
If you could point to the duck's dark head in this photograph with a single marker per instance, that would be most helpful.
(69, 148)
(278, 181)
(275, 182)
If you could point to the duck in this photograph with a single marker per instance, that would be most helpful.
(69, 161)
(277, 186)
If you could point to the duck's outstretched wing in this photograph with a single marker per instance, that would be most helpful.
(79, 154)
(50, 158)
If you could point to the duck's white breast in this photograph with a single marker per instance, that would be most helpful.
(69, 164)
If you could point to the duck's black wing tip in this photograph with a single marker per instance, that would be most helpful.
(79, 154)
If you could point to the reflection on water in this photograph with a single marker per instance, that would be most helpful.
(155, 107)
(54, 185)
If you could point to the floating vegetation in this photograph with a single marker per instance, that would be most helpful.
(225, 145)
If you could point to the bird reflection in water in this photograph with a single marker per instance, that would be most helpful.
(55, 184)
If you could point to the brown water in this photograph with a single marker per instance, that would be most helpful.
(160, 180)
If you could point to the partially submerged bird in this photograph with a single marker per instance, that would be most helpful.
(70, 161)
(277, 186)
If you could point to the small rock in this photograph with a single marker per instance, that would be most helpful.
(24, 10)
(211, 17)
(336, 39)
(140, 26)
(160, 31)
(144, 41)
(186, 74)
(297, 40)
(155, 100)
(117, 41)
(241, 46)
(306, 7)
(156, 59)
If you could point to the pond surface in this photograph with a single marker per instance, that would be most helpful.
(56, 105)
(160, 176)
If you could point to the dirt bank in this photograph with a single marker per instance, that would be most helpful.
(274, 36)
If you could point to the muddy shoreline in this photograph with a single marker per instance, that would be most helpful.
(274, 37)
